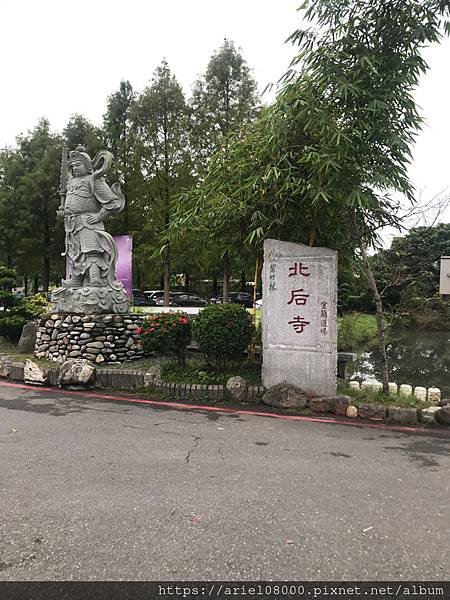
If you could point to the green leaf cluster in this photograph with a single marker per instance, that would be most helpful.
(319, 166)
(223, 333)
(168, 334)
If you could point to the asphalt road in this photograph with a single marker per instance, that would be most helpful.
(93, 489)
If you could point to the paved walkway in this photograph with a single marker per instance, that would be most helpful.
(94, 488)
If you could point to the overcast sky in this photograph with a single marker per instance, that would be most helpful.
(60, 58)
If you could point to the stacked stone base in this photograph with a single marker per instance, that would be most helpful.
(101, 338)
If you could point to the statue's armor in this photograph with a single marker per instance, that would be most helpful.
(85, 244)
(81, 203)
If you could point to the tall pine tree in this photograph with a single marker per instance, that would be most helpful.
(160, 122)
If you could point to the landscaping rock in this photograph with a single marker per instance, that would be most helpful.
(284, 395)
(27, 340)
(322, 404)
(5, 366)
(443, 415)
(429, 415)
(341, 403)
(351, 412)
(152, 375)
(372, 411)
(403, 416)
(434, 395)
(33, 373)
(237, 387)
(393, 389)
(405, 389)
(420, 393)
(76, 371)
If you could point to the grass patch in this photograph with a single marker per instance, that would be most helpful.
(368, 396)
(201, 373)
(142, 364)
(355, 330)
(8, 348)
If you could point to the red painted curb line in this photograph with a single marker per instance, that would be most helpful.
(187, 407)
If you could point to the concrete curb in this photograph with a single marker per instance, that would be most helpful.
(129, 379)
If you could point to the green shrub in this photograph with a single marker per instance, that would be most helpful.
(8, 300)
(356, 329)
(223, 333)
(11, 327)
(36, 305)
(168, 334)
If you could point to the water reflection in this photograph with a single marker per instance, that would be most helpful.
(417, 358)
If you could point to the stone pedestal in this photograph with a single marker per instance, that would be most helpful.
(100, 338)
(89, 300)
(299, 317)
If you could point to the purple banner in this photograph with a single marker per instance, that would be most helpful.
(124, 245)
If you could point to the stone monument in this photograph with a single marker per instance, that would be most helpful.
(86, 201)
(300, 316)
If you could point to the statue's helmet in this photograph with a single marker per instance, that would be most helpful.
(80, 154)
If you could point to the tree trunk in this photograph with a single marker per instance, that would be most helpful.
(186, 282)
(166, 281)
(215, 290)
(138, 277)
(379, 316)
(25, 286)
(36, 284)
(46, 282)
(243, 281)
(226, 278)
(46, 224)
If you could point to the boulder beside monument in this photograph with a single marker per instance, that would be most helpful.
(300, 317)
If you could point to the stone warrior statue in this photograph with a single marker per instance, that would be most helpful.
(86, 200)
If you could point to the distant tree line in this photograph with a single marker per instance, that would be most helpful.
(162, 143)
(208, 178)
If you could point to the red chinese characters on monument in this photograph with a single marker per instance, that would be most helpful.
(298, 298)
(299, 269)
(298, 323)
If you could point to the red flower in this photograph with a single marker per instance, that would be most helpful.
(139, 330)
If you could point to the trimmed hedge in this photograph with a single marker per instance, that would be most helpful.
(223, 333)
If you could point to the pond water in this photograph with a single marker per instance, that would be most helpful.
(418, 358)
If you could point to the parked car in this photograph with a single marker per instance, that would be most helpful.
(140, 299)
(158, 297)
(242, 298)
(188, 300)
(151, 293)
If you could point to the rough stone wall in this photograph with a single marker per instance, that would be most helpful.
(102, 338)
